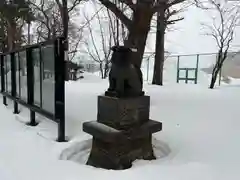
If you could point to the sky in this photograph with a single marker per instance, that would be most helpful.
(190, 38)
(187, 38)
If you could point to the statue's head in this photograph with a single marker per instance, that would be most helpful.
(121, 55)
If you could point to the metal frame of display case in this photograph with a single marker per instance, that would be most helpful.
(58, 115)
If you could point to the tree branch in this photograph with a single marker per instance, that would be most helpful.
(166, 4)
(213, 33)
(160, 4)
(112, 7)
(75, 3)
(174, 20)
(129, 3)
(93, 40)
(58, 3)
(174, 2)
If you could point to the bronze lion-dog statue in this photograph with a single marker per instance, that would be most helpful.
(125, 79)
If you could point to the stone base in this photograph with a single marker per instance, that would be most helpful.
(115, 94)
(122, 132)
(117, 149)
(120, 156)
(121, 113)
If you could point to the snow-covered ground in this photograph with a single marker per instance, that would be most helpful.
(199, 141)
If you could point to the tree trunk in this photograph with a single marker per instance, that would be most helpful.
(138, 33)
(215, 72)
(101, 70)
(106, 69)
(11, 34)
(159, 49)
(214, 78)
(218, 66)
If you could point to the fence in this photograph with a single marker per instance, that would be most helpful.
(193, 66)
(230, 69)
(33, 76)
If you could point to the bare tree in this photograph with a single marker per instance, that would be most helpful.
(99, 49)
(165, 18)
(224, 22)
(13, 15)
(137, 18)
(120, 31)
(65, 8)
(49, 23)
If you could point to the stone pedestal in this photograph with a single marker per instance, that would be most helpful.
(122, 132)
(123, 113)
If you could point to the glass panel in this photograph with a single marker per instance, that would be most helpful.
(48, 79)
(23, 75)
(17, 75)
(37, 76)
(8, 73)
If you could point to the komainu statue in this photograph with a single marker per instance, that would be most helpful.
(125, 79)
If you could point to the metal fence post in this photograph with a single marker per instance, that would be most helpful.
(186, 80)
(30, 85)
(2, 73)
(60, 88)
(3, 79)
(196, 71)
(13, 82)
(178, 59)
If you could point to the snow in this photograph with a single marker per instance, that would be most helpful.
(199, 140)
